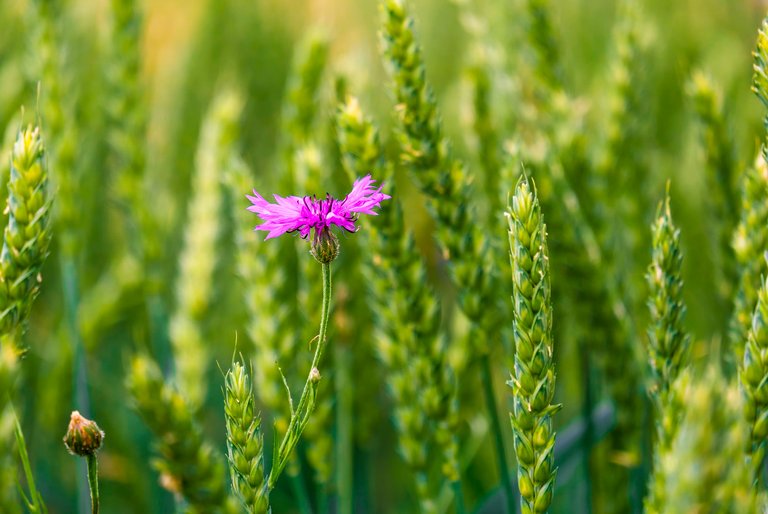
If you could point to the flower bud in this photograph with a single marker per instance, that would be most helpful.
(314, 375)
(325, 246)
(83, 436)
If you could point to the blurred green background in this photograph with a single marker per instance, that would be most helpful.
(190, 48)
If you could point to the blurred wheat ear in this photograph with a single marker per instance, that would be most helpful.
(198, 256)
(463, 244)
(188, 464)
(704, 465)
(667, 341)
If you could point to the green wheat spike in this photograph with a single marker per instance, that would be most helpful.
(721, 171)
(58, 120)
(753, 371)
(407, 329)
(300, 106)
(667, 338)
(703, 468)
(443, 179)
(245, 441)
(533, 378)
(27, 235)
(750, 239)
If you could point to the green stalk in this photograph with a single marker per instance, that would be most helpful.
(344, 479)
(300, 491)
(93, 482)
(323, 499)
(458, 496)
(32, 500)
(306, 404)
(498, 437)
(589, 430)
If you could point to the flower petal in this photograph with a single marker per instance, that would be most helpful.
(285, 215)
(363, 198)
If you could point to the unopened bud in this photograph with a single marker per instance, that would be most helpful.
(325, 246)
(83, 436)
(314, 375)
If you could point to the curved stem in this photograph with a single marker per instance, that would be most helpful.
(498, 436)
(93, 482)
(300, 416)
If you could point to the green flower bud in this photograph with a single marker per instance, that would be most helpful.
(325, 246)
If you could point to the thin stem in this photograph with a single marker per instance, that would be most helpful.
(490, 400)
(306, 405)
(362, 484)
(323, 499)
(344, 479)
(589, 436)
(300, 490)
(93, 482)
(458, 496)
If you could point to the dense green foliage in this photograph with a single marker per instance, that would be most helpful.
(525, 145)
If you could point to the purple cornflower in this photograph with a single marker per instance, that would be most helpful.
(307, 213)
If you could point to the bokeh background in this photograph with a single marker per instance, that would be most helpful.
(190, 48)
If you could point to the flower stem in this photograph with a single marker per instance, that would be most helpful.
(490, 400)
(93, 482)
(300, 416)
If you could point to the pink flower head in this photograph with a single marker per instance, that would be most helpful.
(302, 214)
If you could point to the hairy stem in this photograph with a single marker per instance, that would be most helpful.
(306, 404)
(93, 482)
